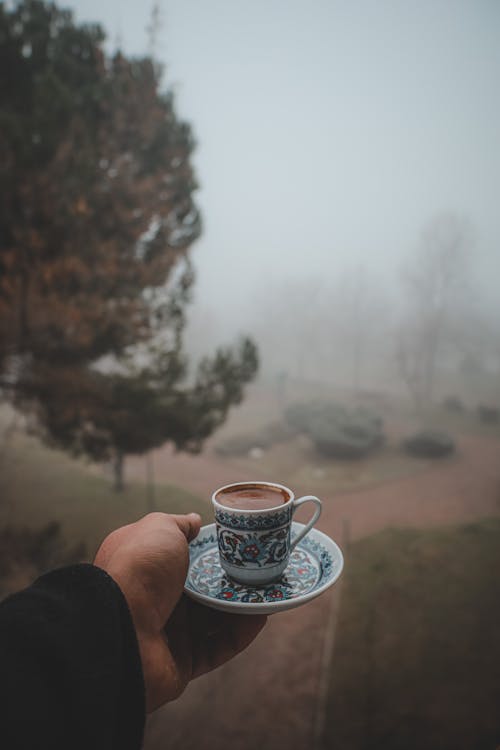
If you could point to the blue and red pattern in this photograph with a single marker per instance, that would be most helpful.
(248, 522)
(304, 570)
(257, 549)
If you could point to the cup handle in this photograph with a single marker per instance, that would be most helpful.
(307, 528)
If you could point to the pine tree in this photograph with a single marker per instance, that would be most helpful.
(96, 217)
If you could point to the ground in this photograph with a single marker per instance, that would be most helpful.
(271, 696)
(416, 663)
(38, 486)
(275, 695)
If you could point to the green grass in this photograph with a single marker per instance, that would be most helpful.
(38, 485)
(416, 662)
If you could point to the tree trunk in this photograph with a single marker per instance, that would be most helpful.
(8, 433)
(118, 463)
(150, 483)
(22, 334)
(357, 359)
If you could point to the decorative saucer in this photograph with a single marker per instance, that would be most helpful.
(314, 566)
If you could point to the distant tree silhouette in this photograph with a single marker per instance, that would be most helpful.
(432, 282)
(96, 219)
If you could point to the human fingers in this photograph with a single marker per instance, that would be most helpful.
(164, 681)
(202, 639)
(216, 637)
(179, 637)
(189, 524)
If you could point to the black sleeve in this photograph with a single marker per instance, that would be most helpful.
(70, 669)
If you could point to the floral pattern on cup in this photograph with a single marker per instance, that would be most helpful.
(257, 549)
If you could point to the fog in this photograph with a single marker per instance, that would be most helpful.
(348, 162)
(330, 137)
(328, 133)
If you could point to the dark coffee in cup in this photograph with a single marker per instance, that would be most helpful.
(252, 497)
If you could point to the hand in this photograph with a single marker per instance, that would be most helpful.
(178, 638)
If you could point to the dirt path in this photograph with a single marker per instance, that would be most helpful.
(266, 698)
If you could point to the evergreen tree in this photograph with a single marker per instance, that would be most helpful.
(96, 214)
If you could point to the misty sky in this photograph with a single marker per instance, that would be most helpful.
(328, 132)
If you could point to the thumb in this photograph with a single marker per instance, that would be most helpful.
(189, 524)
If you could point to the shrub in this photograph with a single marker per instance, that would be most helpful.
(453, 404)
(269, 435)
(273, 433)
(238, 445)
(25, 554)
(337, 431)
(488, 414)
(299, 416)
(429, 444)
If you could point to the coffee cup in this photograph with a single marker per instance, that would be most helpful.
(254, 522)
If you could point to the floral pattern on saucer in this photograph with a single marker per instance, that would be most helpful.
(207, 577)
(310, 564)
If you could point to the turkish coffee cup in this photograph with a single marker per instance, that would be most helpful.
(254, 524)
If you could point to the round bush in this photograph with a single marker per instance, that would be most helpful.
(453, 404)
(337, 431)
(430, 444)
(488, 414)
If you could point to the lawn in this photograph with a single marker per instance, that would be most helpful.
(38, 485)
(416, 662)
